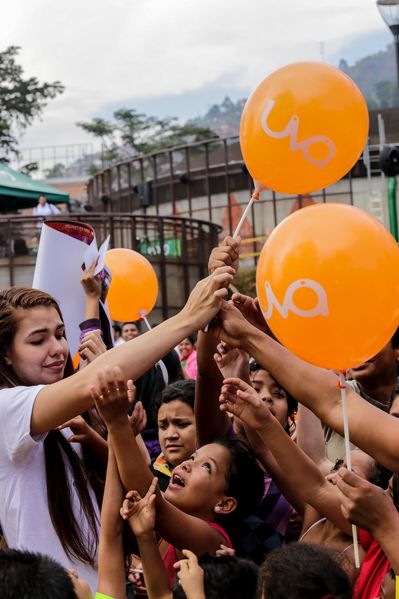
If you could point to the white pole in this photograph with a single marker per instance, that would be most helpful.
(342, 385)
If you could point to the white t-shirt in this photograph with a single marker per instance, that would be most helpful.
(24, 514)
(45, 210)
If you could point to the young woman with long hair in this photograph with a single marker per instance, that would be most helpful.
(46, 502)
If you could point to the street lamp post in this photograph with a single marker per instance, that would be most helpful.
(389, 11)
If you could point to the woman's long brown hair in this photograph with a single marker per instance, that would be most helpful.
(58, 453)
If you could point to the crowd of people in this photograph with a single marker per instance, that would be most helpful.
(168, 468)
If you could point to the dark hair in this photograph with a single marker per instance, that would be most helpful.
(245, 480)
(135, 322)
(24, 574)
(395, 338)
(117, 328)
(225, 577)
(379, 475)
(56, 447)
(180, 390)
(303, 570)
(291, 402)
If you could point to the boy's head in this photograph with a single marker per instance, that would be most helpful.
(176, 422)
(130, 330)
(225, 577)
(30, 575)
(302, 570)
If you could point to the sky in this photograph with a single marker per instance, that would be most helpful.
(172, 57)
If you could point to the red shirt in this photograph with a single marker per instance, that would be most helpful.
(170, 558)
(373, 569)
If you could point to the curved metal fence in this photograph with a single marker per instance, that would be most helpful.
(177, 247)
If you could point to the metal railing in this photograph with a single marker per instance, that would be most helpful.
(206, 180)
(177, 247)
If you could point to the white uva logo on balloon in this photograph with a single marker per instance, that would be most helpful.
(291, 131)
(320, 309)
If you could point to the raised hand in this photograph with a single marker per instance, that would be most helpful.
(250, 309)
(363, 503)
(226, 254)
(241, 400)
(231, 361)
(138, 419)
(207, 297)
(190, 575)
(111, 396)
(91, 283)
(140, 511)
(91, 347)
(231, 326)
(82, 432)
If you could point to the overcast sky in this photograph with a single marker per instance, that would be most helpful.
(173, 57)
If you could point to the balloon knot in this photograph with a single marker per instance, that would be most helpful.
(255, 196)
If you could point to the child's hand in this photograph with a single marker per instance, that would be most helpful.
(136, 577)
(250, 309)
(190, 575)
(365, 504)
(224, 550)
(82, 432)
(111, 396)
(91, 347)
(241, 400)
(91, 283)
(231, 361)
(138, 419)
(140, 512)
(226, 254)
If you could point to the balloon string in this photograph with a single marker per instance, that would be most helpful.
(255, 196)
(149, 327)
(342, 386)
(164, 370)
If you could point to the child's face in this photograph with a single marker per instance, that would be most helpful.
(199, 483)
(80, 586)
(176, 431)
(271, 392)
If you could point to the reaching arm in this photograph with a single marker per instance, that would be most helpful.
(140, 512)
(111, 569)
(191, 576)
(176, 527)
(92, 288)
(296, 472)
(310, 438)
(62, 401)
(316, 389)
(372, 509)
(211, 423)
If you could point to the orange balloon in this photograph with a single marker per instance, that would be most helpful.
(303, 128)
(328, 285)
(76, 360)
(134, 285)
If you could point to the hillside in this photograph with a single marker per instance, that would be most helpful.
(374, 74)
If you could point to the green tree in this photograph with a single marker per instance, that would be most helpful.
(387, 93)
(56, 171)
(132, 133)
(21, 99)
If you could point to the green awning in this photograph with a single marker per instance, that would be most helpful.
(20, 191)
